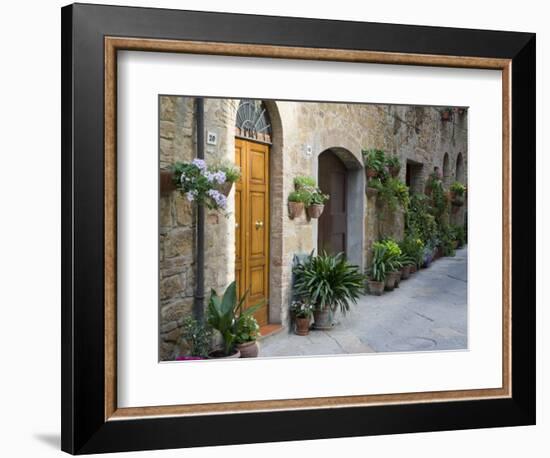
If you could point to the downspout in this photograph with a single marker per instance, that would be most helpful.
(198, 304)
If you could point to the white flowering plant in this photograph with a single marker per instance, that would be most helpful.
(200, 184)
(301, 309)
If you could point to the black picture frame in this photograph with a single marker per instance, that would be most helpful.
(84, 429)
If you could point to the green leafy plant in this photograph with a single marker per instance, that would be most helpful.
(458, 233)
(377, 270)
(197, 336)
(303, 181)
(328, 281)
(375, 160)
(299, 196)
(394, 165)
(458, 188)
(223, 312)
(393, 254)
(316, 197)
(420, 222)
(412, 247)
(392, 192)
(247, 329)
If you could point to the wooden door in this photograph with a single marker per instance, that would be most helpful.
(252, 225)
(332, 229)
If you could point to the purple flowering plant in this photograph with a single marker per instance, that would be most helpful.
(200, 183)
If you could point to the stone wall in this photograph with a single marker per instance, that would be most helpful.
(301, 132)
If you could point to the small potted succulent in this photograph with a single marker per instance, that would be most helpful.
(377, 271)
(302, 311)
(328, 283)
(394, 165)
(247, 331)
(296, 203)
(315, 203)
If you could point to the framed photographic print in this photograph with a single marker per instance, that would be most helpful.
(271, 222)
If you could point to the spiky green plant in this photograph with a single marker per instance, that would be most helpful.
(328, 281)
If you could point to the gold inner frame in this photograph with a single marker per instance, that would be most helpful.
(114, 44)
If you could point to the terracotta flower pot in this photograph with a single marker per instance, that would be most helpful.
(405, 272)
(295, 209)
(413, 269)
(302, 326)
(376, 288)
(391, 278)
(219, 354)
(248, 349)
(323, 319)
(371, 173)
(397, 278)
(225, 188)
(315, 211)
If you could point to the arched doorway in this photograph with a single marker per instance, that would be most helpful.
(332, 228)
(341, 226)
(253, 135)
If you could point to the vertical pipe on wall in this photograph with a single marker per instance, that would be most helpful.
(198, 304)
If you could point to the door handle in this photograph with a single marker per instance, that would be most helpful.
(259, 224)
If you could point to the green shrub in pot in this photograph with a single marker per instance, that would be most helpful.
(327, 281)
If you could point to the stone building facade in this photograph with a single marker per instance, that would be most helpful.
(300, 133)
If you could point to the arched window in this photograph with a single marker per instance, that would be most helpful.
(446, 171)
(459, 168)
(253, 121)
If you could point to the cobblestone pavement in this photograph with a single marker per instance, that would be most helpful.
(428, 312)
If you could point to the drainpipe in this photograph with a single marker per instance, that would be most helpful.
(198, 304)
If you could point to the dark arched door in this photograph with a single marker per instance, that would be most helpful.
(332, 229)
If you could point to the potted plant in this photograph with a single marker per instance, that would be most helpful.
(296, 202)
(197, 338)
(304, 182)
(377, 271)
(230, 172)
(328, 283)
(247, 331)
(458, 190)
(411, 248)
(199, 184)
(302, 311)
(394, 165)
(222, 315)
(392, 264)
(427, 256)
(315, 202)
(374, 161)
(446, 114)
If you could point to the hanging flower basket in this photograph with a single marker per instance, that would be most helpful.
(208, 186)
(315, 211)
(295, 209)
(225, 188)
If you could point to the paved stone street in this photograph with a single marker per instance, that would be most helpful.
(428, 312)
